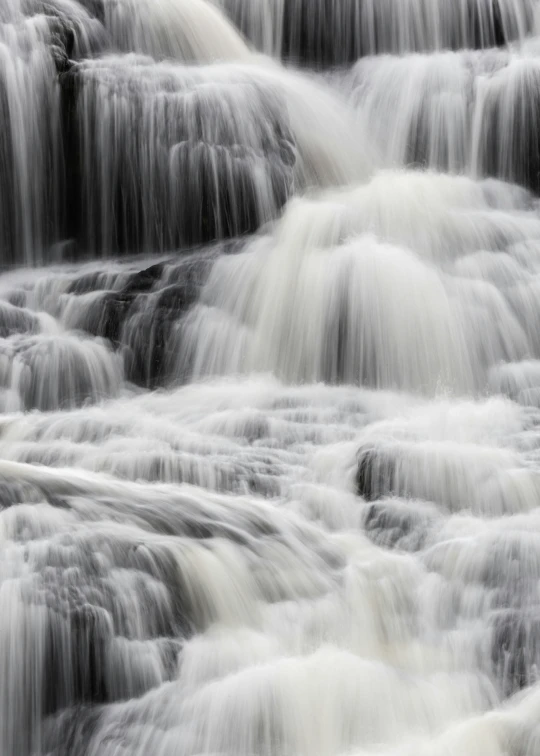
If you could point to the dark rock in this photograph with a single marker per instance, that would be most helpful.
(76, 645)
(511, 113)
(144, 280)
(15, 320)
(17, 298)
(375, 474)
(95, 8)
(396, 524)
(78, 371)
(107, 315)
(70, 732)
(178, 171)
(329, 33)
(88, 282)
(515, 649)
(61, 58)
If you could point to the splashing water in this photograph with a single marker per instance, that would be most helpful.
(269, 378)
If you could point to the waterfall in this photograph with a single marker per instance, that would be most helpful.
(269, 377)
(465, 112)
(186, 30)
(336, 32)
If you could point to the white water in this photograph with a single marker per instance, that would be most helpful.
(189, 30)
(339, 31)
(174, 154)
(463, 112)
(270, 488)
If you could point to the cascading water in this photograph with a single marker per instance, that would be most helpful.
(270, 377)
(322, 32)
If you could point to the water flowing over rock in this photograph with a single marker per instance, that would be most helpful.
(463, 112)
(269, 377)
(336, 32)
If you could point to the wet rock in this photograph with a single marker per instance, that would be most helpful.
(398, 524)
(139, 317)
(144, 280)
(149, 334)
(330, 33)
(375, 474)
(146, 336)
(61, 58)
(95, 8)
(76, 644)
(93, 281)
(71, 731)
(106, 316)
(515, 650)
(15, 320)
(170, 180)
(17, 298)
(12, 494)
(77, 370)
(511, 146)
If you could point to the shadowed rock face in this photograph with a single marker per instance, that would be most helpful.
(140, 316)
(77, 338)
(462, 112)
(137, 156)
(189, 160)
(505, 564)
(374, 478)
(95, 8)
(394, 524)
(208, 160)
(31, 142)
(516, 648)
(337, 32)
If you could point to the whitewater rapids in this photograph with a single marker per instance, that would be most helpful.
(269, 378)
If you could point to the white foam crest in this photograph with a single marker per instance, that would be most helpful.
(193, 31)
(439, 459)
(388, 309)
(343, 704)
(297, 613)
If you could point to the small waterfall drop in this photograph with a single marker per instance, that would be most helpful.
(185, 30)
(463, 112)
(336, 32)
(269, 377)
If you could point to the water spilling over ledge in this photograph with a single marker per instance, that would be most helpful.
(269, 377)
(337, 32)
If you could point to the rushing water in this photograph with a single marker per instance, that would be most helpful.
(270, 378)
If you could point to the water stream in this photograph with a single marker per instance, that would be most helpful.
(270, 378)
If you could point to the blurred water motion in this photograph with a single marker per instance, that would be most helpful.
(269, 378)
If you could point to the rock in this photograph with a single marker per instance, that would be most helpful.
(398, 524)
(77, 370)
(15, 320)
(515, 650)
(174, 164)
(375, 474)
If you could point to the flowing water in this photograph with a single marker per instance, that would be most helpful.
(270, 377)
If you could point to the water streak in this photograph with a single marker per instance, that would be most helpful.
(270, 407)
